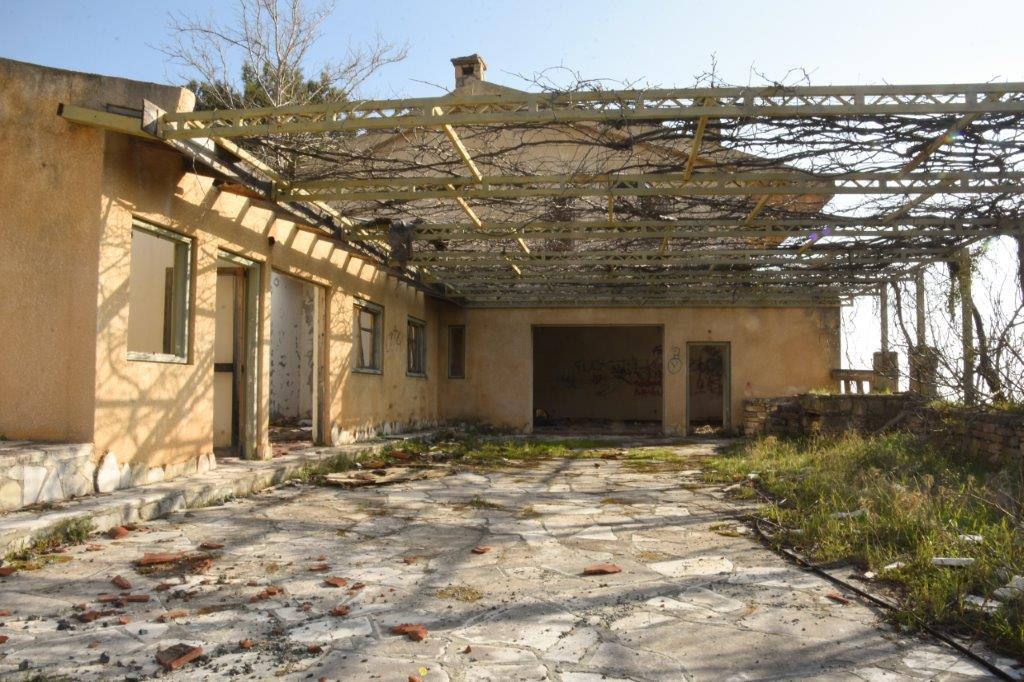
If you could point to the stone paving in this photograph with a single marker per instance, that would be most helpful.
(690, 602)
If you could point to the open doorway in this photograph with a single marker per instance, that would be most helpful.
(235, 357)
(295, 309)
(597, 379)
(707, 388)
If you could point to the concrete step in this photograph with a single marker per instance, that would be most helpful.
(231, 478)
(33, 472)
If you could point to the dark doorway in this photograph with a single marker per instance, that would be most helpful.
(707, 388)
(598, 378)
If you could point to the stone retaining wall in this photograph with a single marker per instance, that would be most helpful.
(995, 437)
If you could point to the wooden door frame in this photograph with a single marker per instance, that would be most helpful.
(245, 344)
(726, 383)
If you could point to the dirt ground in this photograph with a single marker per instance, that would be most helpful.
(488, 563)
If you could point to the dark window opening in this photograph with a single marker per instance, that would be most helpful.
(457, 352)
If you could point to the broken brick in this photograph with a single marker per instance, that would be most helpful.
(179, 655)
(163, 587)
(124, 620)
(339, 611)
(90, 616)
(6, 571)
(245, 644)
(468, 649)
(410, 559)
(108, 598)
(335, 581)
(416, 633)
(314, 648)
(4, 613)
(121, 582)
(481, 549)
(415, 678)
(3, 639)
(601, 569)
(136, 598)
(356, 587)
(838, 598)
(319, 568)
(211, 545)
(117, 533)
(171, 615)
(149, 559)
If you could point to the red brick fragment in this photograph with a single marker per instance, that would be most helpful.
(319, 558)
(601, 569)
(3, 639)
(335, 581)
(93, 548)
(136, 598)
(319, 568)
(149, 559)
(468, 649)
(306, 607)
(108, 598)
(836, 597)
(211, 545)
(411, 559)
(121, 582)
(416, 633)
(124, 620)
(356, 587)
(415, 678)
(4, 613)
(90, 616)
(339, 611)
(179, 655)
(117, 533)
(245, 644)
(171, 615)
(163, 587)
(252, 583)
(6, 571)
(481, 549)
(314, 648)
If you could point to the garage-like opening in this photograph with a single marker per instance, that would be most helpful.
(294, 365)
(598, 378)
(707, 388)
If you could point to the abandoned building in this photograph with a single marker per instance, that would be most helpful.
(528, 261)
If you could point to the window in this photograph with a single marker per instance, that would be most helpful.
(457, 352)
(158, 295)
(416, 338)
(369, 323)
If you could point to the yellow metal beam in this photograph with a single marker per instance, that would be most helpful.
(460, 148)
(117, 123)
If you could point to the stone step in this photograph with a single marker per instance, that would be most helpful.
(231, 478)
(34, 472)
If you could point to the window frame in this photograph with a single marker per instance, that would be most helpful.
(377, 333)
(451, 330)
(421, 326)
(183, 255)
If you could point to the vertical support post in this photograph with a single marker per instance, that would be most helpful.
(1020, 264)
(919, 303)
(883, 304)
(967, 325)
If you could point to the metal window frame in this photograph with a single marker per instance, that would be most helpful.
(184, 253)
(378, 336)
(411, 321)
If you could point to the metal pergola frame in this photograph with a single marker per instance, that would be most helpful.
(804, 257)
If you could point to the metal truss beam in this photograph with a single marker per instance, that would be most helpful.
(663, 184)
(596, 106)
(907, 228)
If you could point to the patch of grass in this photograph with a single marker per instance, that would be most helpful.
(616, 500)
(917, 501)
(462, 593)
(39, 553)
(477, 503)
(528, 512)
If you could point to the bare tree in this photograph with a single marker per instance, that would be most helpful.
(263, 56)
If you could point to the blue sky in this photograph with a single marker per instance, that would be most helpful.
(657, 43)
(661, 43)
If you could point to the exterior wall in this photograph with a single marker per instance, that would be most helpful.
(50, 222)
(774, 351)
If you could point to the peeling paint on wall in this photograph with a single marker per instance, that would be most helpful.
(292, 312)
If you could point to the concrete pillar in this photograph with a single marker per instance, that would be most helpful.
(886, 367)
(923, 361)
(883, 315)
(967, 327)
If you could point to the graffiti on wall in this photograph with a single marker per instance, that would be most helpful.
(603, 376)
(707, 370)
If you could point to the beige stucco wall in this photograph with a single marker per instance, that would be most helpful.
(50, 226)
(774, 351)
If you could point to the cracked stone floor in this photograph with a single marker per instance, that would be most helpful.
(689, 603)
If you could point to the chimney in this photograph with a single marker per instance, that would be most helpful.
(469, 68)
